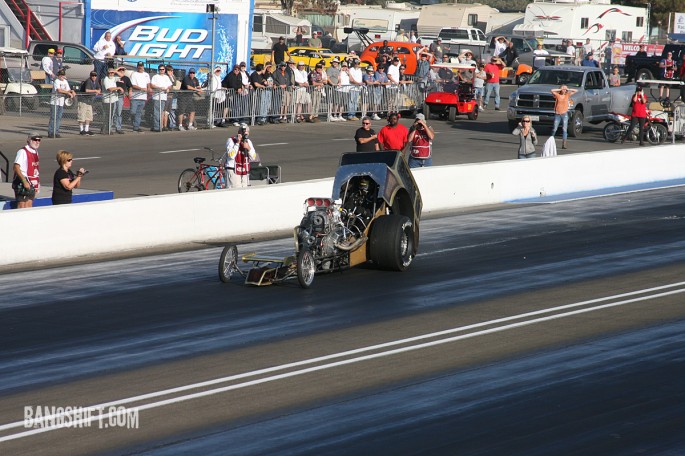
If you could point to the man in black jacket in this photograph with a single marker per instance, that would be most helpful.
(233, 82)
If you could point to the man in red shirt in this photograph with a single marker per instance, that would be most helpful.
(394, 135)
(492, 71)
(638, 115)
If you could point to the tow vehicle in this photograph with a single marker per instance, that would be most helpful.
(372, 215)
(457, 96)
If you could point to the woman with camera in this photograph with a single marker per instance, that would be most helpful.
(528, 139)
(65, 181)
(638, 114)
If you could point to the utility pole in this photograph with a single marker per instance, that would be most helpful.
(214, 11)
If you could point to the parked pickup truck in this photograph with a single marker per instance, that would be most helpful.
(78, 59)
(525, 47)
(637, 68)
(593, 102)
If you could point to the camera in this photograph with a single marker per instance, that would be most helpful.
(246, 136)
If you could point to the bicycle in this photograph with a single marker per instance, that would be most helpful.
(204, 176)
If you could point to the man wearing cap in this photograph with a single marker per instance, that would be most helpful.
(316, 82)
(263, 91)
(501, 44)
(302, 98)
(357, 83)
(218, 95)
(160, 84)
(47, 65)
(283, 81)
(368, 93)
(27, 172)
(60, 91)
(233, 82)
(421, 139)
(57, 61)
(104, 50)
(111, 94)
(333, 79)
(190, 90)
(437, 50)
(315, 41)
(279, 51)
(123, 82)
(140, 84)
(169, 116)
(492, 72)
(90, 88)
(589, 61)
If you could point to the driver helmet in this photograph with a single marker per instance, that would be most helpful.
(364, 184)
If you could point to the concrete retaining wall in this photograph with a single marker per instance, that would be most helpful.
(48, 234)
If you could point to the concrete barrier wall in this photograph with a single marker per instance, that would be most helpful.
(58, 233)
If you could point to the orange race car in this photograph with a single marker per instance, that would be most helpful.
(406, 53)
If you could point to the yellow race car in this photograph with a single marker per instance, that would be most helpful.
(311, 55)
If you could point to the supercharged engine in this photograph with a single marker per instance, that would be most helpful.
(331, 229)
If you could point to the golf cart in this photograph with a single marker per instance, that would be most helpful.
(457, 94)
(15, 80)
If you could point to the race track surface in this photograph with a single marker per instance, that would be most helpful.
(525, 329)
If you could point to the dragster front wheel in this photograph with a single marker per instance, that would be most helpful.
(228, 263)
(306, 268)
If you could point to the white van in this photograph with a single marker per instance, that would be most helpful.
(457, 37)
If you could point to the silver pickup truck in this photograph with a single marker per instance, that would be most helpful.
(593, 102)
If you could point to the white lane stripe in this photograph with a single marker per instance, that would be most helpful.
(86, 158)
(353, 360)
(272, 144)
(342, 139)
(177, 151)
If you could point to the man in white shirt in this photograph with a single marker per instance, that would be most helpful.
(357, 82)
(540, 58)
(394, 78)
(104, 49)
(302, 97)
(160, 86)
(571, 50)
(239, 153)
(501, 45)
(111, 94)
(140, 81)
(60, 91)
(47, 65)
(587, 48)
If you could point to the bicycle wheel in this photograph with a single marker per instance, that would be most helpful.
(656, 134)
(213, 179)
(613, 131)
(189, 181)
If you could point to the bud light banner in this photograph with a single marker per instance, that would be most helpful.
(170, 36)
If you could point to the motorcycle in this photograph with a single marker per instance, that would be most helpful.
(655, 128)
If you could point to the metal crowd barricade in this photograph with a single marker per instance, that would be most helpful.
(293, 103)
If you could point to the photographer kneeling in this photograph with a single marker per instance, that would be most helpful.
(239, 153)
(420, 143)
(65, 181)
